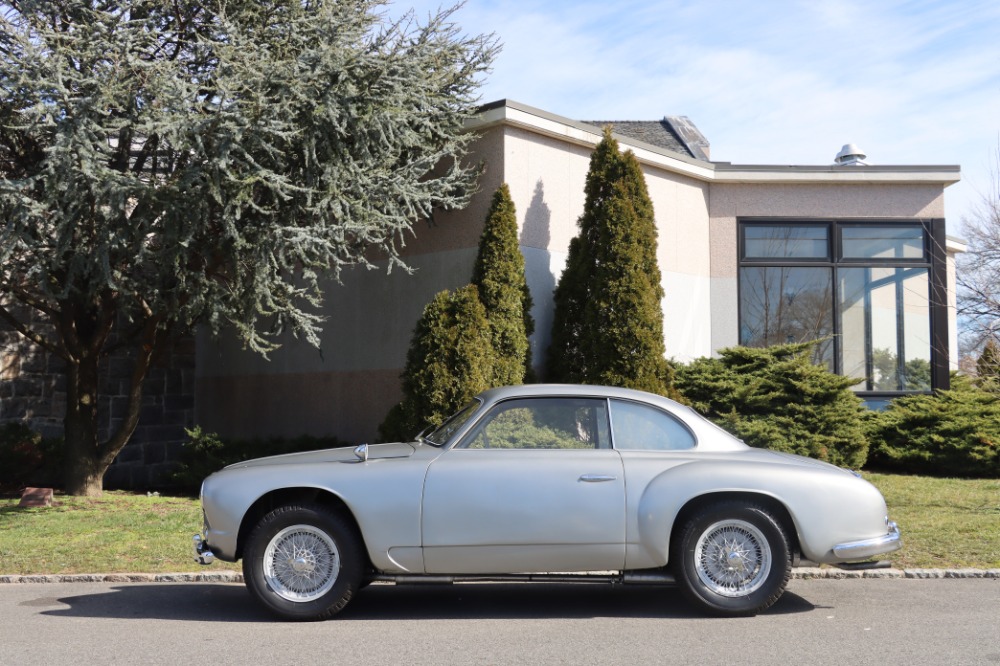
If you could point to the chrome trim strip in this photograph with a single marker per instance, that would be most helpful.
(857, 550)
(636, 577)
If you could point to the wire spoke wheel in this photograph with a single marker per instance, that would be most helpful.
(732, 558)
(301, 563)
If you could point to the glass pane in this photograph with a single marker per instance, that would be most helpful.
(543, 423)
(638, 427)
(785, 241)
(451, 426)
(885, 326)
(790, 304)
(871, 242)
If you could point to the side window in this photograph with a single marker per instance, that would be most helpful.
(543, 423)
(639, 427)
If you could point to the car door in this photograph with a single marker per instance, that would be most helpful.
(533, 486)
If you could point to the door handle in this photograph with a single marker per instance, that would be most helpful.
(597, 478)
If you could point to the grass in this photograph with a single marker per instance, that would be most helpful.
(946, 523)
(117, 533)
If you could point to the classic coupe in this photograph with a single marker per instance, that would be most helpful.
(542, 483)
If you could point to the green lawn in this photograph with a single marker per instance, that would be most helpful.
(945, 523)
(118, 533)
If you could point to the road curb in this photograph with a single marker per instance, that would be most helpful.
(802, 573)
(807, 573)
(207, 577)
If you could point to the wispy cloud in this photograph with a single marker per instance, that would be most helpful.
(773, 81)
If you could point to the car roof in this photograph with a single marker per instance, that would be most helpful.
(710, 436)
(574, 390)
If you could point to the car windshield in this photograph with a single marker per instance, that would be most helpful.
(441, 436)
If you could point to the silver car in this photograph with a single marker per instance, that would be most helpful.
(542, 483)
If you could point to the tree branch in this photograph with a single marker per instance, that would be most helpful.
(31, 335)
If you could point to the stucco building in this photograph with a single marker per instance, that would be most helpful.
(753, 254)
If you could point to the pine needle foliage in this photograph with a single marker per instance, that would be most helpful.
(949, 433)
(776, 398)
(499, 276)
(450, 360)
(608, 321)
(170, 163)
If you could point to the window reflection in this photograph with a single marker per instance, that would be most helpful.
(780, 305)
(882, 242)
(885, 327)
(640, 427)
(786, 242)
(543, 423)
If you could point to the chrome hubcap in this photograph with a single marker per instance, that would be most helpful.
(301, 563)
(732, 558)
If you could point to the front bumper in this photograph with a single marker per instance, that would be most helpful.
(861, 550)
(202, 554)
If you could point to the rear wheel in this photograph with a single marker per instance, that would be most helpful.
(303, 562)
(733, 559)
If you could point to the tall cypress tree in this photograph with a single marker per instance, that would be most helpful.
(503, 290)
(449, 361)
(608, 324)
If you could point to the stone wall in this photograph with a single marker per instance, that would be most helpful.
(33, 391)
(32, 384)
(167, 409)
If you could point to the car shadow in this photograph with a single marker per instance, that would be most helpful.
(212, 602)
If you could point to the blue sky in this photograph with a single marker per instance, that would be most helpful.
(769, 81)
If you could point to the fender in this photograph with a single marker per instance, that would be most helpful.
(827, 506)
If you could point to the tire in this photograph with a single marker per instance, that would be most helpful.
(303, 562)
(732, 559)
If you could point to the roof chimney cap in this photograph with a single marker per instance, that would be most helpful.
(850, 155)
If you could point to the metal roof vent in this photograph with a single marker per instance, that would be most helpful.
(850, 155)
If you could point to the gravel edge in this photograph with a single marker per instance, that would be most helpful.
(802, 573)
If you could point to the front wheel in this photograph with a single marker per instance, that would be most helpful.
(733, 559)
(303, 562)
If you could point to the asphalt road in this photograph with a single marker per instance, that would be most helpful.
(841, 622)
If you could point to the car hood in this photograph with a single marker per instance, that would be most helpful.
(343, 454)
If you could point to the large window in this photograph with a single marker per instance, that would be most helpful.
(863, 288)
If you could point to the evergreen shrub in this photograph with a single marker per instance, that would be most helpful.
(948, 433)
(207, 452)
(450, 360)
(776, 398)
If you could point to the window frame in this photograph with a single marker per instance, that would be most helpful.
(934, 260)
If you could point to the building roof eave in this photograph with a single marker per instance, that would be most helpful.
(514, 114)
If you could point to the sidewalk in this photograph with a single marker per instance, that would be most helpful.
(226, 576)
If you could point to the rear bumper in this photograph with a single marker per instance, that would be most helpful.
(862, 550)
